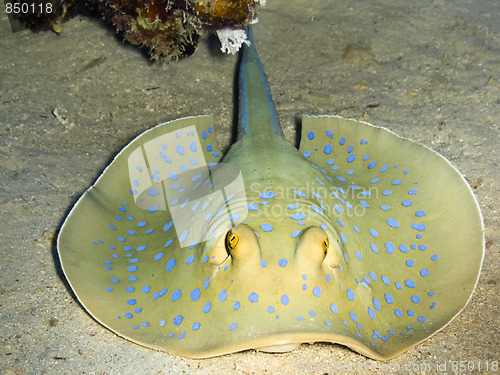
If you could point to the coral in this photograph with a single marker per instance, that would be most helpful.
(224, 13)
(162, 27)
(41, 15)
(168, 29)
(232, 39)
(171, 28)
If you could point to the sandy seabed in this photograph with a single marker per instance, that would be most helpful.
(428, 70)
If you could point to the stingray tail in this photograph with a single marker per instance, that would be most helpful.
(257, 114)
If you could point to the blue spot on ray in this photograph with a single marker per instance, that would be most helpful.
(266, 227)
(267, 194)
(392, 223)
(317, 291)
(253, 297)
(350, 294)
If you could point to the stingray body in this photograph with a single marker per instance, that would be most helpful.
(360, 237)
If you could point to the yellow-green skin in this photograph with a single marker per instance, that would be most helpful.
(326, 251)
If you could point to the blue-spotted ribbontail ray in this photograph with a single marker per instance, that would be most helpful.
(360, 237)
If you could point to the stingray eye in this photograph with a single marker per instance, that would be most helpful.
(325, 244)
(231, 240)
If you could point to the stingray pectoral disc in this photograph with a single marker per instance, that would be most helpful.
(410, 228)
(361, 238)
(119, 247)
